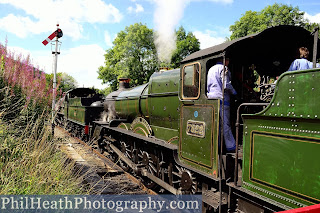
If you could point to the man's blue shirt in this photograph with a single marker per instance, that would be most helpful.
(301, 64)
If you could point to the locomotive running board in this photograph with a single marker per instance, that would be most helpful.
(144, 172)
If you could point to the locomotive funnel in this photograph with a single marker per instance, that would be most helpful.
(124, 83)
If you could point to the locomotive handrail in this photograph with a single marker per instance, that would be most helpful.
(237, 137)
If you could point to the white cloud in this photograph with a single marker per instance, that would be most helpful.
(82, 63)
(108, 39)
(138, 9)
(208, 38)
(219, 1)
(313, 19)
(71, 14)
(216, 1)
(16, 24)
(18, 51)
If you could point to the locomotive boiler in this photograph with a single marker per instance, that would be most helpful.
(169, 131)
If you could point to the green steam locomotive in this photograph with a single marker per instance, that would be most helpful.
(169, 132)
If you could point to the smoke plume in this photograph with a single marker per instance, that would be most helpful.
(166, 17)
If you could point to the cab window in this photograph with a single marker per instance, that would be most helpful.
(191, 81)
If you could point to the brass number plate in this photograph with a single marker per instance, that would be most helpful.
(196, 128)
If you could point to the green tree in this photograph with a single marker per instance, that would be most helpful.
(276, 14)
(186, 44)
(66, 82)
(133, 55)
(106, 91)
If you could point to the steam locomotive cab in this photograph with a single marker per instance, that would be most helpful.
(268, 104)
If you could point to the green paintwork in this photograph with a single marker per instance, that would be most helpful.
(77, 106)
(144, 103)
(194, 150)
(124, 126)
(127, 103)
(169, 135)
(163, 99)
(281, 142)
(75, 101)
(200, 153)
(297, 96)
(159, 101)
(84, 114)
(77, 113)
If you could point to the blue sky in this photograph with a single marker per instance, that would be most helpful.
(89, 26)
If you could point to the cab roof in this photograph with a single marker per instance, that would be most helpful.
(81, 92)
(282, 36)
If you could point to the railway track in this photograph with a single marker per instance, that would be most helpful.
(99, 173)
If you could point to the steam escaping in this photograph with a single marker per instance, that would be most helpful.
(109, 112)
(166, 17)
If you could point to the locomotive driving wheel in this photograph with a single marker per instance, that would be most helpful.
(182, 178)
(128, 150)
(151, 163)
(111, 154)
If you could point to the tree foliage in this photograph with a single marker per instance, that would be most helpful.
(133, 55)
(106, 91)
(273, 15)
(66, 82)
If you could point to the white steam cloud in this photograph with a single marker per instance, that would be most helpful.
(166, 17)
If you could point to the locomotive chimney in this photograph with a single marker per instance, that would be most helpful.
(123, 83)
(162, 69)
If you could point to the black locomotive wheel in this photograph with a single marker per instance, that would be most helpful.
(111, 154)
(170, 174)
(82, 135)
(126, 149)
(185, 179)
(151, 163)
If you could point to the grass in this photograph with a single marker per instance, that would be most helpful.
(29, 160)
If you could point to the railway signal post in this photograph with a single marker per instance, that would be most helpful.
(56, 46)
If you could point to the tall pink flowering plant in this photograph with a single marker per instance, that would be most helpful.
(22, 77)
